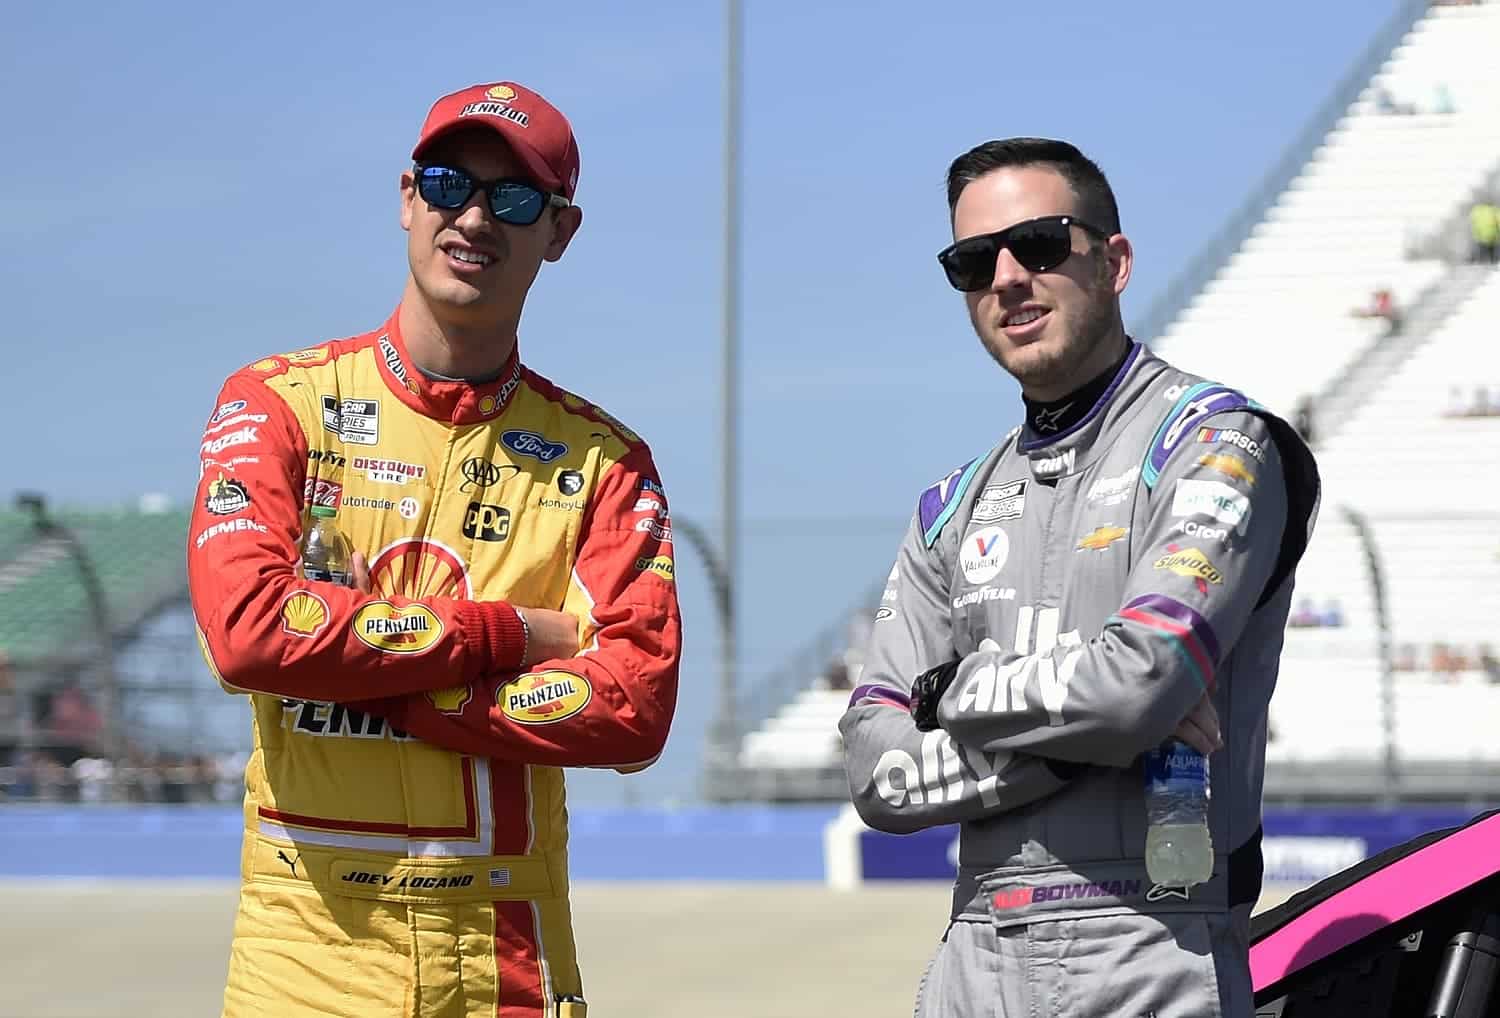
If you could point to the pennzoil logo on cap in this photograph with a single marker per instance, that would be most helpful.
(497, 106)
(544, 698)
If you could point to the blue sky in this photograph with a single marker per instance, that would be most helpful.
(194, 186)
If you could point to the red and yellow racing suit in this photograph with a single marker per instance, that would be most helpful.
(405, 845)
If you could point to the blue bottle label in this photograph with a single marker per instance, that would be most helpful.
(1176, 769)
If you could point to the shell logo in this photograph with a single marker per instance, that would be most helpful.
(313, 355)
(487, 405)
(501, 93)
(303, 614)
(266, 365)
(545, 698)
(451, 700)
(413, 567)
(412, 629)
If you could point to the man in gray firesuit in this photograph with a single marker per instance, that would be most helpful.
(1117, 571)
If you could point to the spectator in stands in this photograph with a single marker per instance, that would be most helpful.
(1484, 227)
(73, 723)
(1489, 665)
(10, 705)
(1382, 305)
(1447, 662)
(1302, 420)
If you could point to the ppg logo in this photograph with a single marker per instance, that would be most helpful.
(529, 443)
(486, 522)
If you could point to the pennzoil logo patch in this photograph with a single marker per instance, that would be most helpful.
(409, 630)
(544, 698)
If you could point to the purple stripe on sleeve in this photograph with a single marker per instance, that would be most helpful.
(879, 694)
(1179, 612)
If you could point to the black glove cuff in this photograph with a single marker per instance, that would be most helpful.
(927, 690)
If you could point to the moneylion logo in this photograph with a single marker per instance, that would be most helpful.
(545, 698)
(412, 629)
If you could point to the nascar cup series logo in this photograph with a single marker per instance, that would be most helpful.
(414, 567)
(544, 698)
(412, 629)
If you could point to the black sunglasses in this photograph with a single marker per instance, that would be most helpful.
(512, 201)
(1040, 245)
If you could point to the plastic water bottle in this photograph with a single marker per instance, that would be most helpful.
(1179, 850)
(326, 552)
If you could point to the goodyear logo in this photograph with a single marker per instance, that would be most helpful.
(544, 698)
(661, 565)
(1101, 538)
(304, 614)
(1229, 466)
(409, 630)
(1191, 563)
(451, 700)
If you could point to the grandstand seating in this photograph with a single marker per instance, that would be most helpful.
(1341, 229)
(138, 557)
(1426, 485)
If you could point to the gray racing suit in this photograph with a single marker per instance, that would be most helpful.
(1093, 584)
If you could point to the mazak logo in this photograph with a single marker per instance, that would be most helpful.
(486, 522)
(529, 443)
(983, 554)
(244, 436)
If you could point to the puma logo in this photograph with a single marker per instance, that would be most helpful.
(290, 862)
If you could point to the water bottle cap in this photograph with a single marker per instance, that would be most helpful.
(324, 512)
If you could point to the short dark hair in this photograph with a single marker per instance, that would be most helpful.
(1096, 201)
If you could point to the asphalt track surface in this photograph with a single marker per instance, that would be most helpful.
(111, 949)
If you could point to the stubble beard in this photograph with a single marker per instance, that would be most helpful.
(1051, 366)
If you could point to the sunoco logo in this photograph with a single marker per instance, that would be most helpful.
(409, 630)
(545, 698)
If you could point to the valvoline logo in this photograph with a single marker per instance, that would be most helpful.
(529, 443)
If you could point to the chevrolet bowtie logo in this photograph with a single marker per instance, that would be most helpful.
(1101, 538)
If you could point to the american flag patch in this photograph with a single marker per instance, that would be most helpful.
(500, 878)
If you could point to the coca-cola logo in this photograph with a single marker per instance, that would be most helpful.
(529, 443)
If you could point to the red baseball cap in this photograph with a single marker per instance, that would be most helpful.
(536, 130)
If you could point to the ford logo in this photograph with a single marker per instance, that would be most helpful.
(529, 443)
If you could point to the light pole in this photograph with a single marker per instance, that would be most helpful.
(724, 733)
(49, 528)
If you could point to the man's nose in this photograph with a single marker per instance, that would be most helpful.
(473, 215)
(1008, 272)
